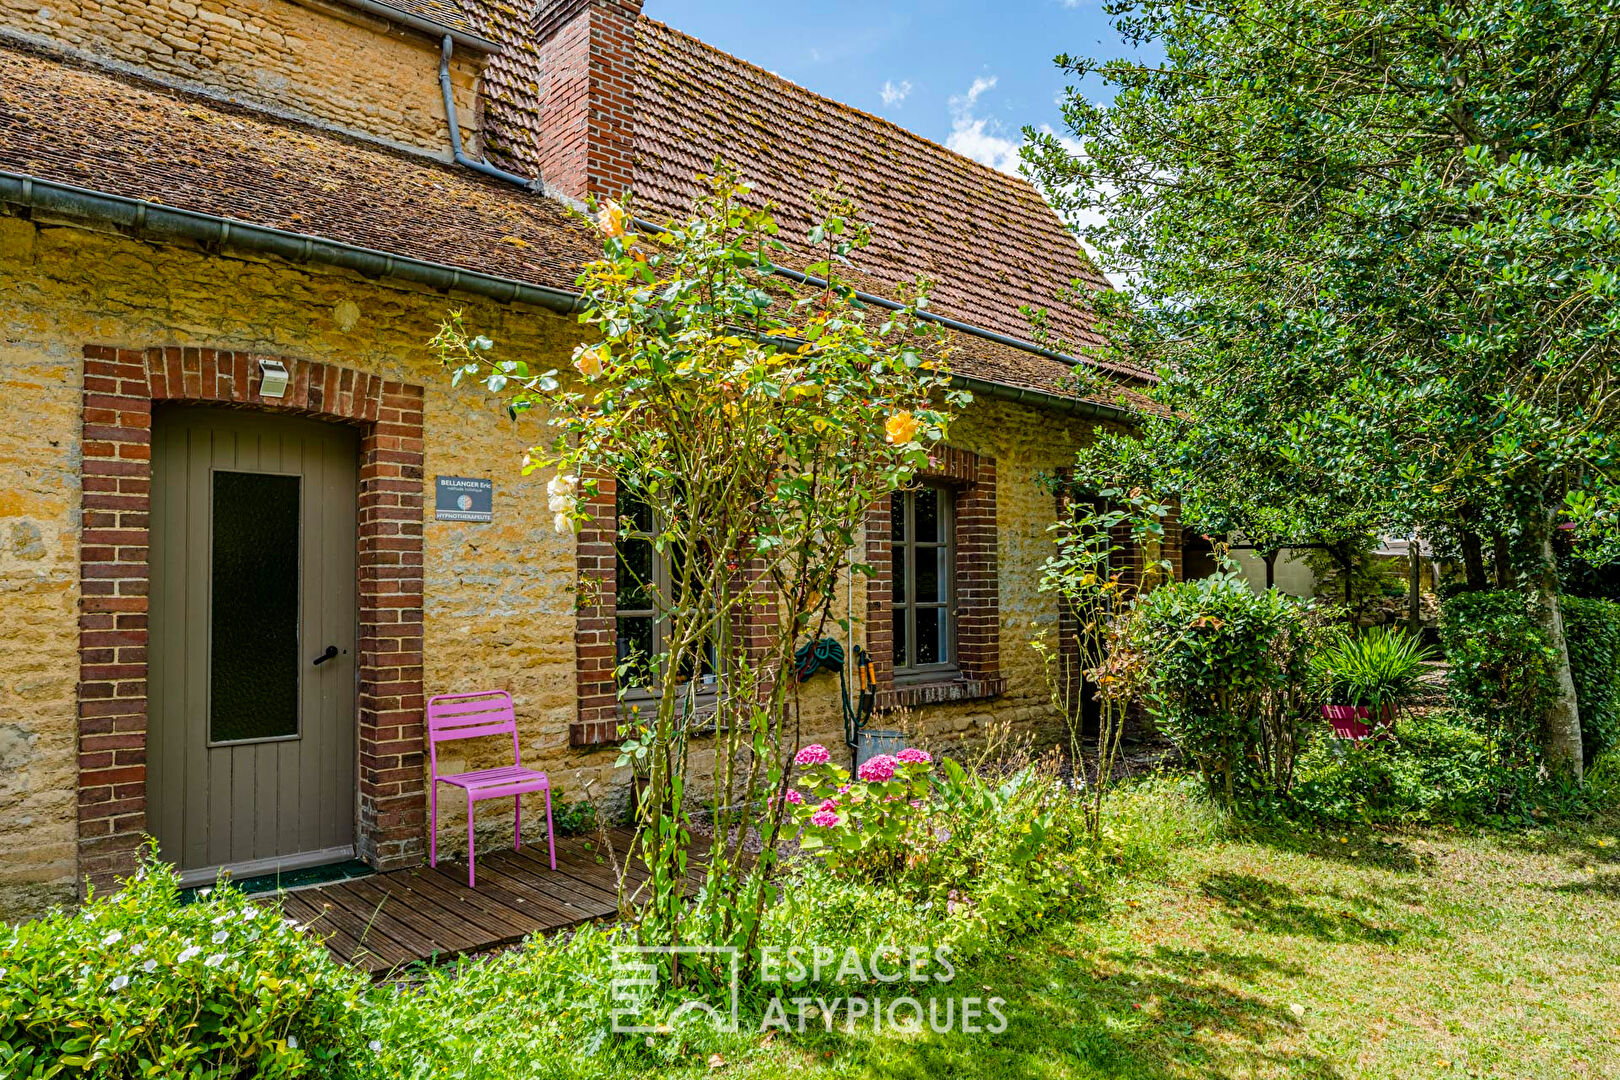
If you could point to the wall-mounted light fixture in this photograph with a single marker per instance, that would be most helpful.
(272, 379)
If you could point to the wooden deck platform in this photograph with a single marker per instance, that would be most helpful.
(386, 921)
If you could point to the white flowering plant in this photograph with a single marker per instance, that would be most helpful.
(151, 982)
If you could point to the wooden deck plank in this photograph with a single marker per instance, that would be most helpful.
(504, 924)
(582, 881)
(376, 931)
(317, 923)
(349, 938)
(409, 925)
(385, 921)
(559, 900)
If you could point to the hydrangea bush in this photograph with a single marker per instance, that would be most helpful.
(875, 825)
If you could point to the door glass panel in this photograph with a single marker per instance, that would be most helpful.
(253, 679)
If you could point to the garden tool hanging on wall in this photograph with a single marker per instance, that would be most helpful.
(827, 654)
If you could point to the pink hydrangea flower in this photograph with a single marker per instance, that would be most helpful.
(814, 754)
(794, 797)
(879, 769)
(843, 789)
(825, 819)
(913, 756)
(829, 804)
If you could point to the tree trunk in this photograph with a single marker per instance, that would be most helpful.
(1561, 725)
(1270, 558)
(1503, 557)
(1473, 556)
(1414, 587)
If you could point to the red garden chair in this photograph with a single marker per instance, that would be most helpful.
(470, 716)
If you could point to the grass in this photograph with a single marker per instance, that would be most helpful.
(1354, 955)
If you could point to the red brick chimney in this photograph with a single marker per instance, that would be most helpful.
(587, 55)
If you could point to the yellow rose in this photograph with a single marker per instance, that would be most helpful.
(902, 427)
(611, 219)
(591, 359)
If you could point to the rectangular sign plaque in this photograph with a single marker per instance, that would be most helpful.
(463, 498)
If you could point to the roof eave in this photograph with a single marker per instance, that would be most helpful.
(158, 220)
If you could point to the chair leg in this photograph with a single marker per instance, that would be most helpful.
(551, 840)
(433, 823)
(469, 840)
(517, 820)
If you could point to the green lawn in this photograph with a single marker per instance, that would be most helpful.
(1418, 955)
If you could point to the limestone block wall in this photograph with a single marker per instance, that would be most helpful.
(498, 597)
(327, 64)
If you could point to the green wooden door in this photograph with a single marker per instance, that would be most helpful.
(250, 747)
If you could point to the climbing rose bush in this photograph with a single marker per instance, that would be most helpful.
(874, 826)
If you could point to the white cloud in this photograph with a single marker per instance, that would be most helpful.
(981, 138)
(894, 93)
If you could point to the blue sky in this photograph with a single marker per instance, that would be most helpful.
(969, 75)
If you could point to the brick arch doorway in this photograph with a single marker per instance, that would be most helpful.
(121, 387)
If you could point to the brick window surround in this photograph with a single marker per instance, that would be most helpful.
(972, 477)
(595, 647)
(120, 388)
(596, 722)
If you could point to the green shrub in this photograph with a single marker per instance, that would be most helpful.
(572, 819)
(1437, 768)
(1603, 779)
(542, 1010)
(1225, 673)
(1592, 631)
(1503, 671)
(990, 857)
(143, 984)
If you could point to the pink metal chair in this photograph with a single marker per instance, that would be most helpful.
(469, 716)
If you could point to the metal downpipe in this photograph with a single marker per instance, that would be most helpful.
(445, 50)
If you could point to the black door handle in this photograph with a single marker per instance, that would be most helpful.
(331, 651)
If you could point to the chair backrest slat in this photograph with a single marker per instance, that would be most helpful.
(470, 716)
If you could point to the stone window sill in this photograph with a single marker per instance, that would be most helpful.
(940, 692)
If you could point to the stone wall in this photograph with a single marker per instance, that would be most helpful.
(499, 599)
(498, 602)
(327, 64)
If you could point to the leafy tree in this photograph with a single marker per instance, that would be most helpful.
(754, 430)
(1376, 242)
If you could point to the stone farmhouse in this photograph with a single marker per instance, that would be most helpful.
(228, 228)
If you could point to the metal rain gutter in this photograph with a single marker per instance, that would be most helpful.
(1043, 399)
(446, 49)
(426, 26)
(168, 221)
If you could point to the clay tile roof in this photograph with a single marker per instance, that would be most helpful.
(79, 125)
(444, 12)
(988, 240)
